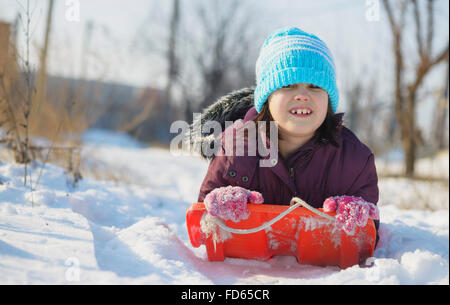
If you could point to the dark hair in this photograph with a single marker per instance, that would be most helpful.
(327, 132)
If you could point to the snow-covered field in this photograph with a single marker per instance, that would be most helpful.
(130, 229)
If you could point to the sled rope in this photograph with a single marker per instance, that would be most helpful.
(298, 203)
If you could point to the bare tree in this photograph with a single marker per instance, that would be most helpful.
(441, 114)
(219, 52)
(172, 64)
(371, 116)
(354, 94)
(41, 81)
(406, 93)
(156, 107)
(29, 86)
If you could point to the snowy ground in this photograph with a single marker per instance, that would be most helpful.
(131, 228)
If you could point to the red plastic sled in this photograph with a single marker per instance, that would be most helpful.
(301, 233)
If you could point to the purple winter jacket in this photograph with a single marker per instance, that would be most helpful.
(314, 172)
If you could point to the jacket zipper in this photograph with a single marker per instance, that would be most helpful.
(291, 175)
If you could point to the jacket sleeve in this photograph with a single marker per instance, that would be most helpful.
(366, 186)
(214, 177)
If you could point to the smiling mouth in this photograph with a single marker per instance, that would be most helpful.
(301, 112)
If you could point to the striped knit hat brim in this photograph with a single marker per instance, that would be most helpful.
(291, 56)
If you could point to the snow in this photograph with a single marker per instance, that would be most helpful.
(129, 227)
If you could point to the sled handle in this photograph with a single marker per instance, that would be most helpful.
(314, 210)
(298, 203)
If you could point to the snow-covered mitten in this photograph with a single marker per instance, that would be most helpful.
(230, 202)
(350, 211)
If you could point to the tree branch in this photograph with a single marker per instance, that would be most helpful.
(419, 39)
(425, 66)
(391, 18)
(430, 31)
(442, 56)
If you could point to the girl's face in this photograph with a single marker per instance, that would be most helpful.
(299, 109)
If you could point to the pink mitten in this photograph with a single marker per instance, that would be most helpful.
(230, 202)
(351, 211)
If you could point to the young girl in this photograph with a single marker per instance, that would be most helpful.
(319, 160)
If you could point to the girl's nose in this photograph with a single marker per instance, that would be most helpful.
(301, 93)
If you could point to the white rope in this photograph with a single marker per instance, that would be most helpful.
(298, 201)
(316, 211)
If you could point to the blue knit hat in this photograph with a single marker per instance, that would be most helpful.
(290, 56)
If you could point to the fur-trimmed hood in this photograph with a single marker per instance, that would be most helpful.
(230, 107)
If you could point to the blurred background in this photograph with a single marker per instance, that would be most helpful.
(137, 66)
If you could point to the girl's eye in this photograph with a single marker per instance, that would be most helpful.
(313, 86)
(288, 86)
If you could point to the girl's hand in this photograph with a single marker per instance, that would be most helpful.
(350, 211)
(230, 202)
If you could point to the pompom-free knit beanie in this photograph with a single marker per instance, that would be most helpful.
(290, 56)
